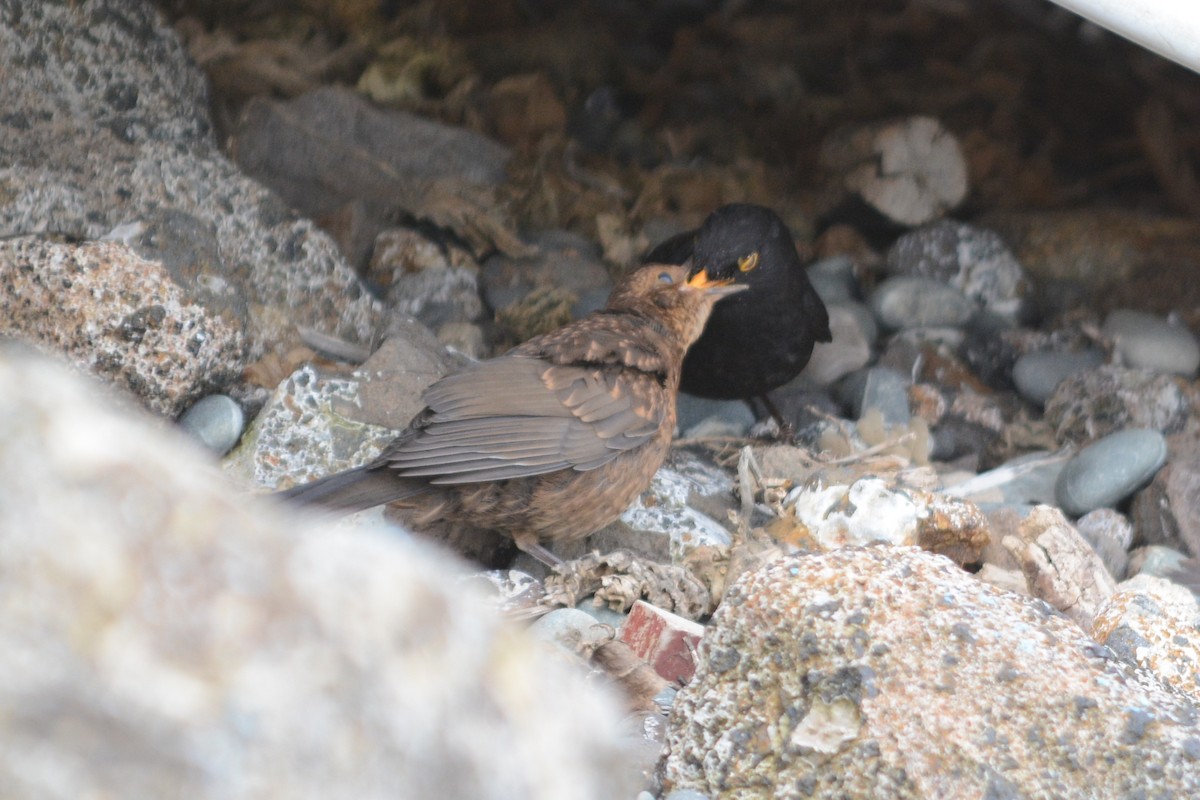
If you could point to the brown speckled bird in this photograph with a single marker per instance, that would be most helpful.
(552, 440)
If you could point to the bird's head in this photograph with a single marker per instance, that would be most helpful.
(744, 243)
(677, 297)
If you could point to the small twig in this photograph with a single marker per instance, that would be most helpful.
(903, 438)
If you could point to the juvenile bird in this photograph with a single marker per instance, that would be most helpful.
(552, 440)
(761, 339)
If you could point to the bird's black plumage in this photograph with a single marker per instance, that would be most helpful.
(760, 339)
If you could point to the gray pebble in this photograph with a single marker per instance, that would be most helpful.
(887, 391)
(602, 613)
(1150, 342)
(686, 794)
(881, 388)
(1109, 470)
(568, 628)
(1156, 559)
(919, 303)
(216, 421)
(854, 330)
(1038, 374)
(1110, 534)
(833, 278)
(699, 416)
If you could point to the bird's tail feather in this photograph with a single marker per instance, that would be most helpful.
(353, 490)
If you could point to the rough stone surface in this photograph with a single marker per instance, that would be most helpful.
(105, 126)
(167, 636)
(1168, 510)
(316, 424)
(972, 259)
(1153, 624)
(883, 672)
(869, 510)
(119, 317)
(1094, 403)
(1059, 565)
(1110, 534)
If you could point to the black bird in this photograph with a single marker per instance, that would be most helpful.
(760, 339)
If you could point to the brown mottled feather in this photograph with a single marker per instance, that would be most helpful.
(552, 440)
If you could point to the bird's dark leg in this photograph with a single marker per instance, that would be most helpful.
(787, 433)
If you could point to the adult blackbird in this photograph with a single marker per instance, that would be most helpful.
(761, 339)
(555, 438)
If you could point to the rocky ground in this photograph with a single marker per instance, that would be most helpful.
(270, 228)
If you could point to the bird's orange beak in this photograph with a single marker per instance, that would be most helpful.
(721, 286)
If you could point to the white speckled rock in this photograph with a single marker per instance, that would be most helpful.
(165, 635)
(122, 318)
(889, 673)
(869, 510)
(107, 134)
(1096, 402)
(1149, 342)
(1155, 624)
(975, 260)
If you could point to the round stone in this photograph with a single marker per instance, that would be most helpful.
(919, 303)
(1038, 374)
(1150, 342)
(833, 278)
(1111, 469)
(975, 260)
(216, 421)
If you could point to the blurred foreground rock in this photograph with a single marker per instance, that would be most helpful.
(168, 636)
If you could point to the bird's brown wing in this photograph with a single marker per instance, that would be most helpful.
(517, 416)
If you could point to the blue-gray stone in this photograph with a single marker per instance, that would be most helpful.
(699, 416)
(1109, 533)
(686, 794)
(863, 318)
(833, 278)
(1150, 342)
(919, 303)
(567, 628)
(216, 421)
(1038, 374)
(1155, 559)
(1109, 470)
(887, 391)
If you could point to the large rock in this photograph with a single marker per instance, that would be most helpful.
(105, 130)
(888, 672)
(119, 317)
(165, 635)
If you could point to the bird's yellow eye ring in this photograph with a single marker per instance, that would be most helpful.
(747, 263)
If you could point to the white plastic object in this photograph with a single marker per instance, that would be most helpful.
(1170, 28)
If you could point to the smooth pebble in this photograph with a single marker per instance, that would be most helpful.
(919, 303)
(216, 421)
(1038, 374)
(1151, 342)
(1109, 470)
